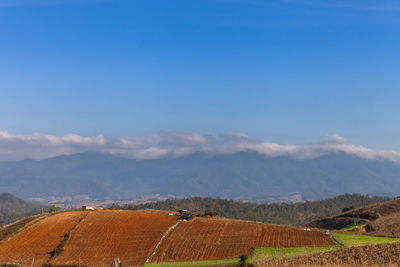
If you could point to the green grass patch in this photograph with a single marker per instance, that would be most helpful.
(289, 252)
(353, 225)
(192, 263)
(360, 240)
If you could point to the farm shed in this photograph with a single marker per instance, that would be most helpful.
(186, 217)
(89, 208)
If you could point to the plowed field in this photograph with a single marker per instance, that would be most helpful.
(132, 236)
(104, 235)
(39, 240)
(214, 239)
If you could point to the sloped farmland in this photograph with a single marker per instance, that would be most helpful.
(104, 235)
(39, 240)
(217, 239)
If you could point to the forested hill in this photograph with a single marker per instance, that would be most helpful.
(279, 213)
(13, 208)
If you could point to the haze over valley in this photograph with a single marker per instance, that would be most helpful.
(247, 176)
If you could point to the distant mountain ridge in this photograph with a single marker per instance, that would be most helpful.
(242, 176)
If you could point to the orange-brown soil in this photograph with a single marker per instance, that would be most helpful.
(105, 235)
(101, 236)
(13, 228)
(214, 239)
(39, 240)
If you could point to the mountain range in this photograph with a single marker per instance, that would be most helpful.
(240, 176)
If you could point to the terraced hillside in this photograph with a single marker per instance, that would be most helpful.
(105, 235)
(97, 238)
(40, 239)
(215, 239)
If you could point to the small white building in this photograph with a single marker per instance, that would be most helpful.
(88, 208)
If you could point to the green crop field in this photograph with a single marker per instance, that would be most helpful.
(192, 263)
(289, 252)
(360, 240)
(351, 226)
(343, 239)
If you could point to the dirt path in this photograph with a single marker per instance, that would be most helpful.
(161, 240)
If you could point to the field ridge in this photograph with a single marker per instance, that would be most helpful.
(60, 248)
(219, 238)
(106, 235)
(161, 240)
(20, 229)
(37, 241)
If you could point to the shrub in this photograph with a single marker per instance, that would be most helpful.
(209, 213)
(243, 259)
(347, 208)
(53, 209)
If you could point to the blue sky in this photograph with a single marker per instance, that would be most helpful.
(279, 70)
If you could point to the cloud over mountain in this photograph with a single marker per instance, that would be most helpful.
(176, 144)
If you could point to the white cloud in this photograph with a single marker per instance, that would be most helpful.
(165, 138)
(166, 144)
(235, 137)
(39, 146)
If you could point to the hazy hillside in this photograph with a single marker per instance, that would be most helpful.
(244, 176)
(13, 208)
(289, 214)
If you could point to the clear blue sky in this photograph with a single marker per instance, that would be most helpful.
(280, 70)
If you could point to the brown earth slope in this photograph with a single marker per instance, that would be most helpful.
(97, 238)
(39, 240)
(9, 230)
(105, 235)
(388, 225)
(371, 255)
(375, 210)
(215, 239)
(382, 219)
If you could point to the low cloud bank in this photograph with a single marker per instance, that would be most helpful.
(166, 144)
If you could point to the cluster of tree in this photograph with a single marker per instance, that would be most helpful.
(348, 208)
(279, 213)
(208, 213)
